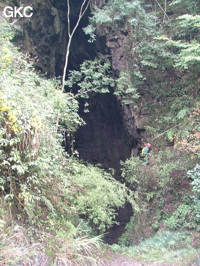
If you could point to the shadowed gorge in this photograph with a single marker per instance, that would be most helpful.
(103, 140)
(99, 133)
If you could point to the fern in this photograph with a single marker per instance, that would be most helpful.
(182, 113)
(48, 203)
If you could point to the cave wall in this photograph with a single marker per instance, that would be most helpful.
(134, 115)
(44, 36)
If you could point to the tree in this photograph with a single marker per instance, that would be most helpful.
(82, 11)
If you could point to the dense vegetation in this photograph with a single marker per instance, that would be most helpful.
(48, 197)
(40, 184)
(161, 51)
(161, 76)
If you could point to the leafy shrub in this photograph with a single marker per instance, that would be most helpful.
(94, 76)
(195, 176)
(183, 217)
(164, 247)
(127, 237)
(97, 195)
(31, 112)
(36, 175)
(187, 214)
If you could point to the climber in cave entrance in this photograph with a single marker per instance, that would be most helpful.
(145, 153)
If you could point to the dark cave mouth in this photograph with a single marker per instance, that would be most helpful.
(104, 141)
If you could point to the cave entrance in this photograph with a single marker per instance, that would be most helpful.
(103, 140)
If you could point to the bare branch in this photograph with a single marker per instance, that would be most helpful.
(68, 18)
(70, 34)
(164, 10)
(81, 14)
(158, 136)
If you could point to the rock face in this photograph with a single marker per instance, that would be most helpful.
(134, 116)
(45, 36)
(103, 140)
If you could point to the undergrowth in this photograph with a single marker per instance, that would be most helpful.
(47, 197)
(48, 194)
(164, 247)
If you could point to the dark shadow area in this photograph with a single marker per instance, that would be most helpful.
(103, 139)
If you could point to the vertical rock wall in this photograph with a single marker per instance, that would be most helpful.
(44, 36)
(134, 115)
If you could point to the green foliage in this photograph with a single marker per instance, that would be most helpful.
(31, 109)
(183, 217)
(121, 14)
(153, 185)
(93, 201)
(114, 20)
(6, 32)
(133, 172)
(147, 180)
(189, 58)
(71, 244)
(126, 238)
(94, 76)
(125, 90)
(97, 195)
(36, 175)
(141, 180)
(162, 59)
(185, 6)
(187, 55)
(180, 97)
(165, 247)
(195, 176)
(188, 26)
(90, 30)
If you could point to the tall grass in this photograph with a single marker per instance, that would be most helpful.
(165, 248)
(17, 247)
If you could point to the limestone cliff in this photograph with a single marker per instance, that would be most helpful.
(134, 115)
(44, 37)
